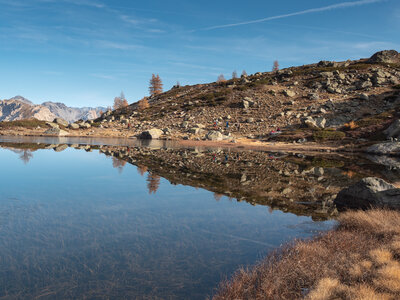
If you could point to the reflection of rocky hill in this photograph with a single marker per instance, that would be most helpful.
(297, 184)
(304, 185)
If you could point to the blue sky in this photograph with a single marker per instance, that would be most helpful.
(85, 52)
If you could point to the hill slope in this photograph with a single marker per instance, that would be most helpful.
(296, 99)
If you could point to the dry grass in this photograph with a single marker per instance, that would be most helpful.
(360, 259)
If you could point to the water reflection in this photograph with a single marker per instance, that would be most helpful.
(74, 227)
(298, 183)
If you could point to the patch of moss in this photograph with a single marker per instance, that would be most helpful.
(324, 162)
(30, 123)
(328, 135)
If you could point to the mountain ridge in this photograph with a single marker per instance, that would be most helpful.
(20, 108)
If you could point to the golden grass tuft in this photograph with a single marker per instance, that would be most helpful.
(324, 290)
(357, 260)
(364, 292)
(381, 256)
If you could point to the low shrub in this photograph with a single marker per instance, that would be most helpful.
(328, 135)
(30, 123)
(350, 126)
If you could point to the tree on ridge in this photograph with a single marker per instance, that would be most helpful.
(275, 66)
(156, 86)
(221, 78)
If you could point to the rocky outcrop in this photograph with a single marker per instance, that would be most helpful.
(367, 193)
(385, 56)
(389, 148)
(151, 134)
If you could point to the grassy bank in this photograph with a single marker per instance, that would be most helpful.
(359, 259)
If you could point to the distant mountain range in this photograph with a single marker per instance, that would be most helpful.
(19, 108)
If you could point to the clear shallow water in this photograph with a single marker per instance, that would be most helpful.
(76, 224)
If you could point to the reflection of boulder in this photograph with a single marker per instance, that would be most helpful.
(388, 161)
(61, 147)
(389, 148)
(367, 193)
(393, 130)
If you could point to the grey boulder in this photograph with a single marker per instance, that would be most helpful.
(151, 134)
(61, 122)
(367, 193)
(56, 131)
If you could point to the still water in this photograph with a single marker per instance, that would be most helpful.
(77, 224)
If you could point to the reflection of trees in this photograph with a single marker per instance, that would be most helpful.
(141, 169)
(217, 196)
(118, 164)
(153, 182)
(26, 156)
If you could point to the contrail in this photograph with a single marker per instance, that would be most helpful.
(303, 12)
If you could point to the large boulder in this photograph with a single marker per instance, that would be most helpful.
(214, 135)
(385, 56)
(52, 125)
(316, 123)
(393, 130)
(288, 93)
(61, 122)
(388, 148)
(56, 131)
(151, 134)
(73, 126)
(367, 193)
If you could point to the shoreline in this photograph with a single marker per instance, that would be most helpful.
(240, 143)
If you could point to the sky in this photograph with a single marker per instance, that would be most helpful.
(85, 52)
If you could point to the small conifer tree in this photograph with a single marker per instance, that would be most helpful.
(156, 86)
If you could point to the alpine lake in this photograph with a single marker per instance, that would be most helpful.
(126, 219)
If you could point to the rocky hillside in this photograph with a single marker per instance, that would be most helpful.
(19, 108)
(324, 101)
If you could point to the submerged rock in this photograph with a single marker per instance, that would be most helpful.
(367, 193)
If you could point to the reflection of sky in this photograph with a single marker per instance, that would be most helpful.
(179, 236)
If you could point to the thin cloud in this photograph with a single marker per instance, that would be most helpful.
(102, 76)
(118, 46)
(303, 12)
